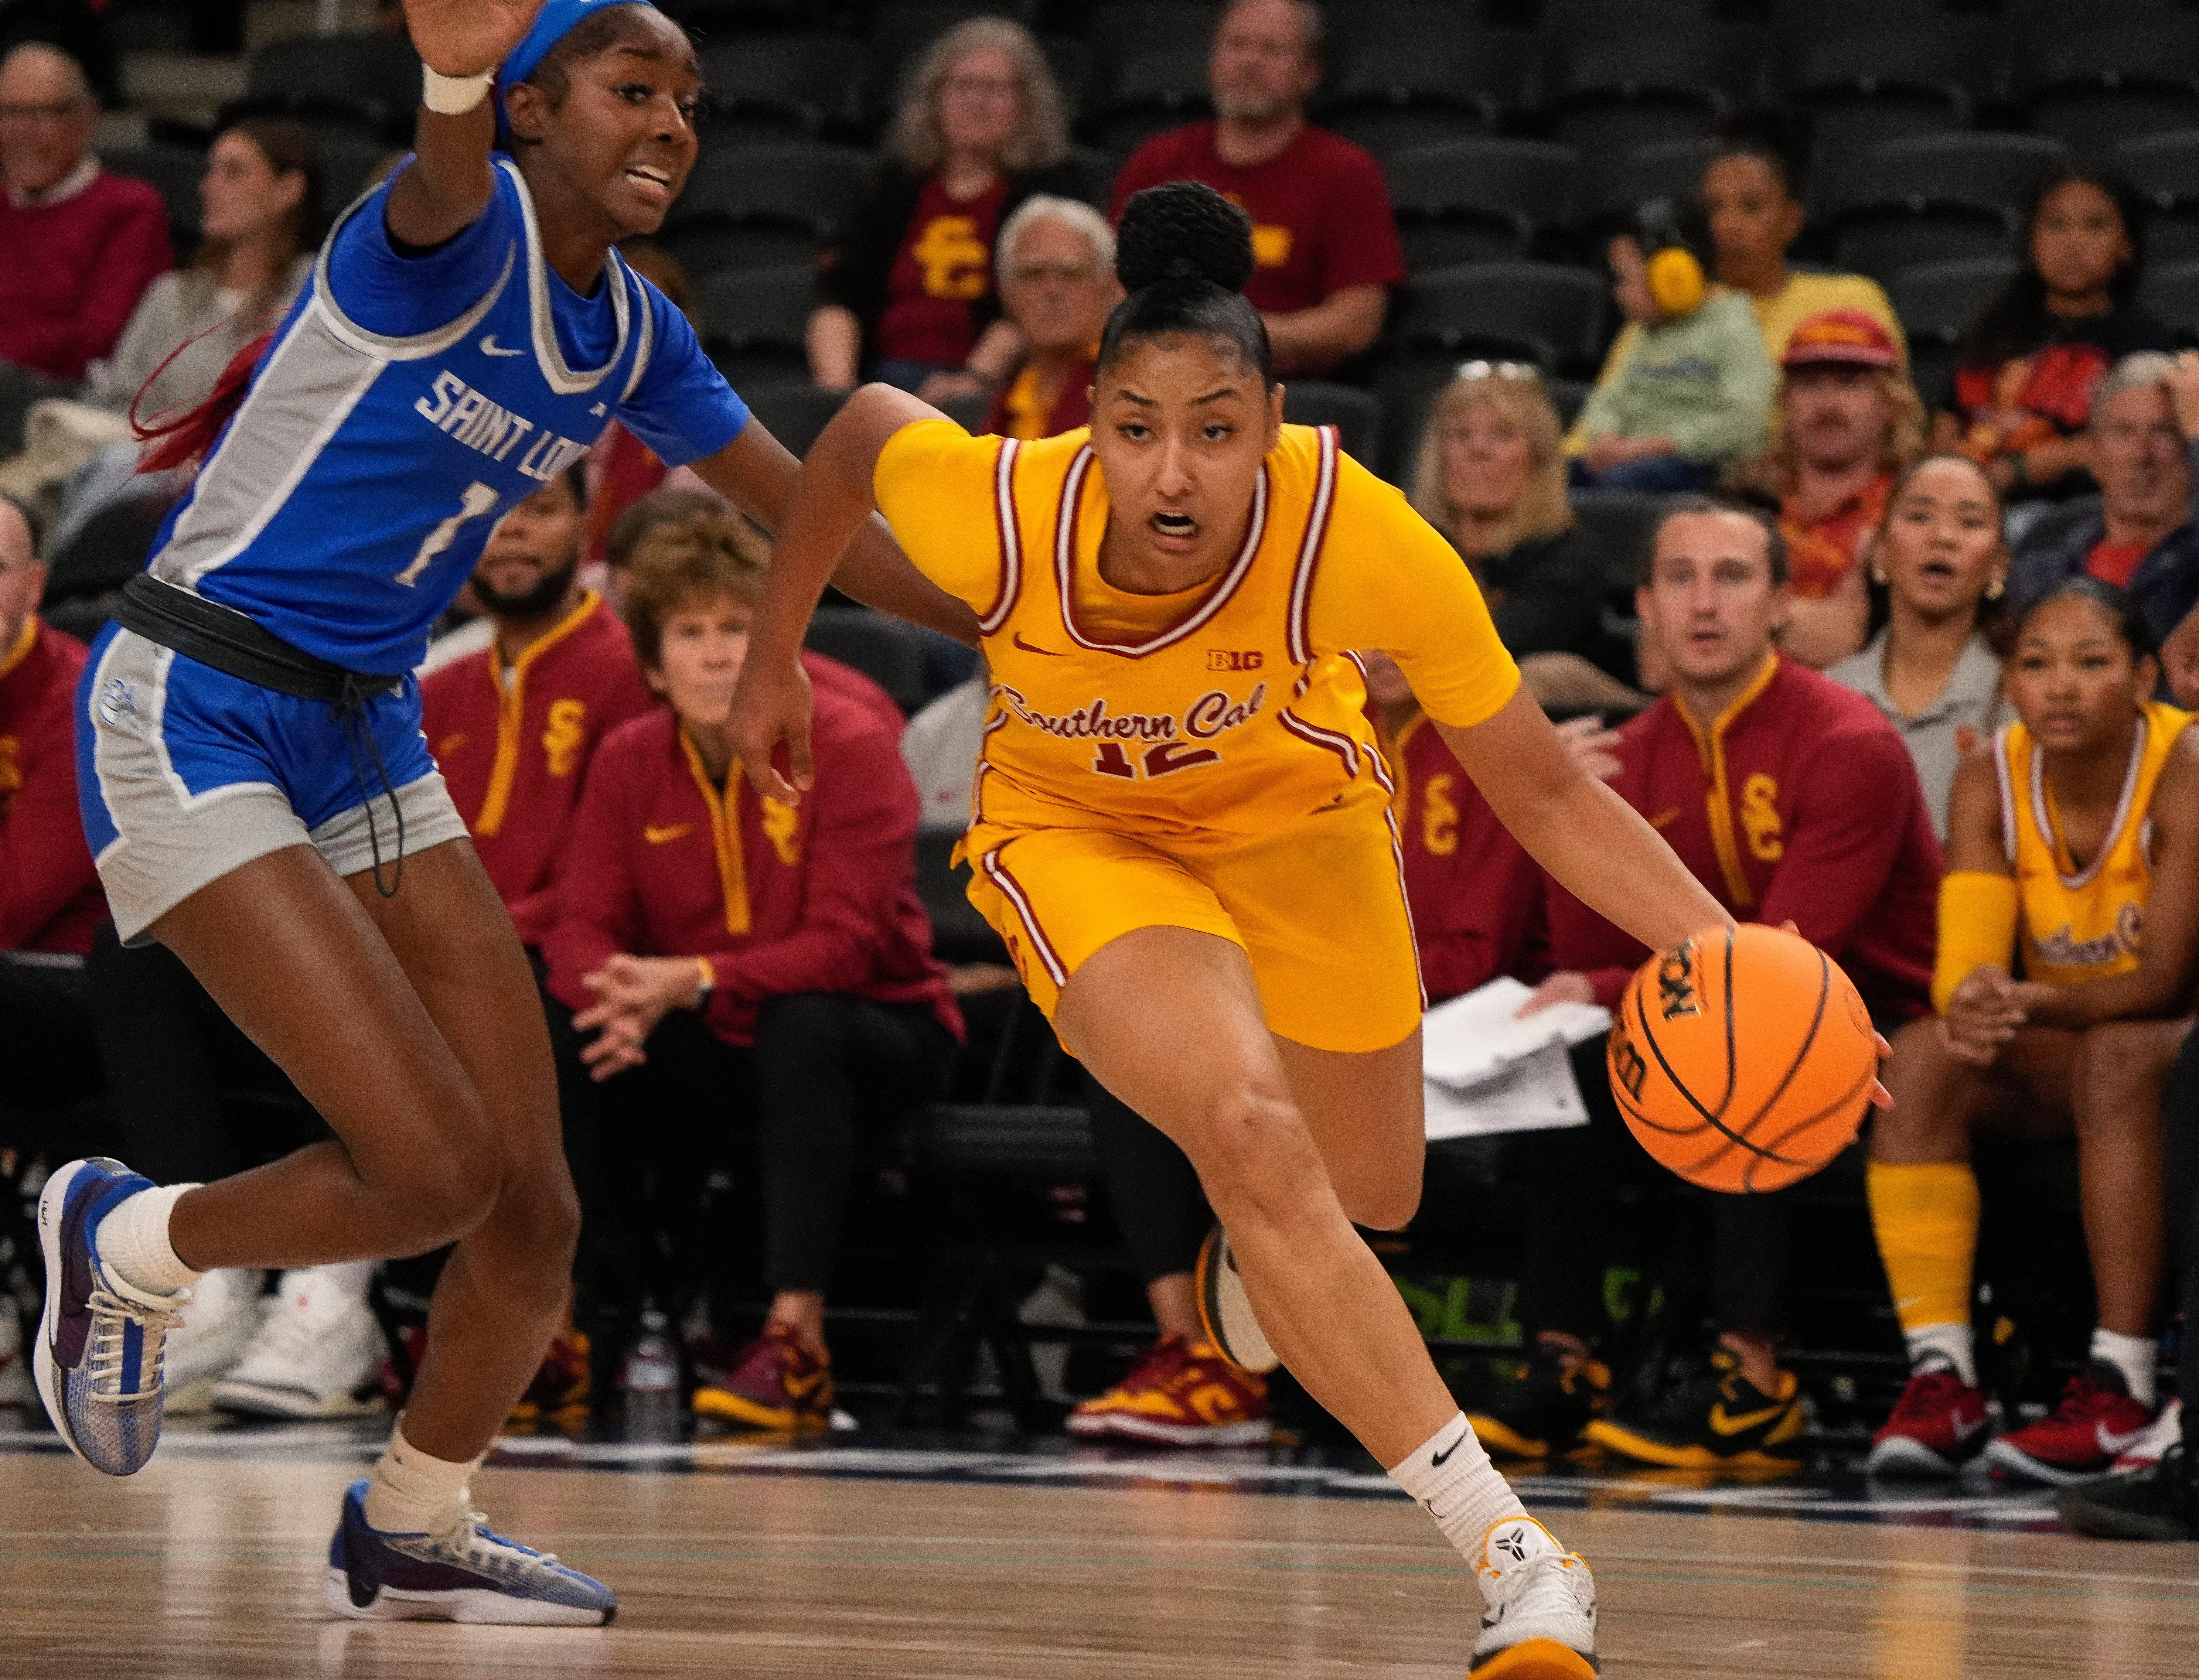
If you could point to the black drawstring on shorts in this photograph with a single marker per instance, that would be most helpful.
(350, 709)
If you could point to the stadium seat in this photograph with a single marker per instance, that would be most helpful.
(1407, 72)
(1613, 184)
(366, 84)
(1620, 520)
(1356, 415)
(793, 411)
(1888, 84)
(1622, 87)
(1539, 312)
(19, 389)
(1149, 88)
(1935, 304)
(752, 323)
(2110, 73)
(1406, 381)
(958, 933)
(768, 88)
(1936, 197)
(1479, 200)
(2165, 170)
(346, 164)
(882, 649)
(174, 171)
(1113, 24)
(757, 207)
(2171, 293)
(110, 548)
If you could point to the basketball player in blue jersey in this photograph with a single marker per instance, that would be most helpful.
(260, 800)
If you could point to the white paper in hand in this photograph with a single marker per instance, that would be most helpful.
(1475, 1038)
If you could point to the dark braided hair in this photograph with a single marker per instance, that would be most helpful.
(1184, 254)
(2114, 604)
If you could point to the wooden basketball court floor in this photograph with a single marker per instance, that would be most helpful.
(857, 1562)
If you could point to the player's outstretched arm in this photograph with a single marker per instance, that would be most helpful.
(1594, 843)
(756, 473)
(449, 185)
(831, 501)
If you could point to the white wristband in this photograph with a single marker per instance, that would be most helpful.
(454, 95)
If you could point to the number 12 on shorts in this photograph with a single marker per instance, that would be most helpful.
(480, 498)
(1164, 759)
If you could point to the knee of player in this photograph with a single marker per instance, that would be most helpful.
(1387, 1205)
(1253, 1143)
(1925, 1080)
(2122, 1068)
(450, 1189)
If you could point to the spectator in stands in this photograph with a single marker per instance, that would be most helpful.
(1849, 421)
(1933, 670)
(1476, 902)
(636, 520)
(737, 959)
(1752, 198)
(1057, 279)
(1691, 395)
(1490, 477)
(262, 221)
(2026, 369)
(513, 728)
(1324, 240)
(2144, 446)
(2082, 1045)
(51, 900)
(906, 294)
(78, 246)
(1792, 801)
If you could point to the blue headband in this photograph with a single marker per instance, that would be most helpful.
(556, 20)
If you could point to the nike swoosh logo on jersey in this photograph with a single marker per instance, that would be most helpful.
(2112, 1441)
(1727, 1424)
(666, 835)
(489, 348)
(1017, 638)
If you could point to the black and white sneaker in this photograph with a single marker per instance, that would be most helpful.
(1224, 1314)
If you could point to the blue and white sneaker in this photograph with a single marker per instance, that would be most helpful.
(464, 1573)
(101, 1351)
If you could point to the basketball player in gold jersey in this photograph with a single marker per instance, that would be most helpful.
(2073, 859)
(1182, 827)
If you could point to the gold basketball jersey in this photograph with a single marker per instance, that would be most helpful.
(1230, 710)
(2088, 923)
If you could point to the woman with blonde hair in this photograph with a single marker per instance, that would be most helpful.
(906, 296)
(1490, 475)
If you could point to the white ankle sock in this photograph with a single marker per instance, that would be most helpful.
(1955, 1343)
(413, 1492)
(1456, 1483)
(133, 1240)
(2134, 1355)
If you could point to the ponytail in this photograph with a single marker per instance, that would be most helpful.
(184, 441)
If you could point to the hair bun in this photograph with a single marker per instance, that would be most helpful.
(1181, 232)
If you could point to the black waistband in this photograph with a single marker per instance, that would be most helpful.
(227, 640)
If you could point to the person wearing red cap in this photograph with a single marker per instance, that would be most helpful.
(1849, 421)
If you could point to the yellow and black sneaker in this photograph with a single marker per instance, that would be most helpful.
(1723, 1420)
(1550, 1404)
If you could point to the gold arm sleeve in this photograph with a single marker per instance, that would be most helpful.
(1977, 926)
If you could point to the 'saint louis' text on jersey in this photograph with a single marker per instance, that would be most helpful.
(454, 406)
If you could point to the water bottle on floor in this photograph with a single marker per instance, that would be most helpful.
(651, 1380)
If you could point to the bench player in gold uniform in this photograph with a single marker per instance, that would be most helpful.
(1182, 824)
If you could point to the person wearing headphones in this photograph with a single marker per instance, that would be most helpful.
(1694, 390)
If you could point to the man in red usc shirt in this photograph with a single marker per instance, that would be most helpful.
(51, 900)
(1792, 799)
(514, 726)
(736, 960)
(1323, 238)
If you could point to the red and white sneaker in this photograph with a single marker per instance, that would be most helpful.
(1937, 1426)
(1182, 1394)
(2096, 1422)
(2146, 1451)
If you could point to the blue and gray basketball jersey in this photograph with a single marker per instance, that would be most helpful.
(404, 405)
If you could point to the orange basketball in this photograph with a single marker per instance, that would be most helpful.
(1743, 1059)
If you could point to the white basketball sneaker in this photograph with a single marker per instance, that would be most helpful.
(1224, 1312)
(1540, 1621)
(2146, 1451)
(217, 1327)
(317, 1354)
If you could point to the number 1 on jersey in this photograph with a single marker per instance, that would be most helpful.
(480, 498)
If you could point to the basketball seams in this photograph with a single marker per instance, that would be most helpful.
(1801, 1050)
